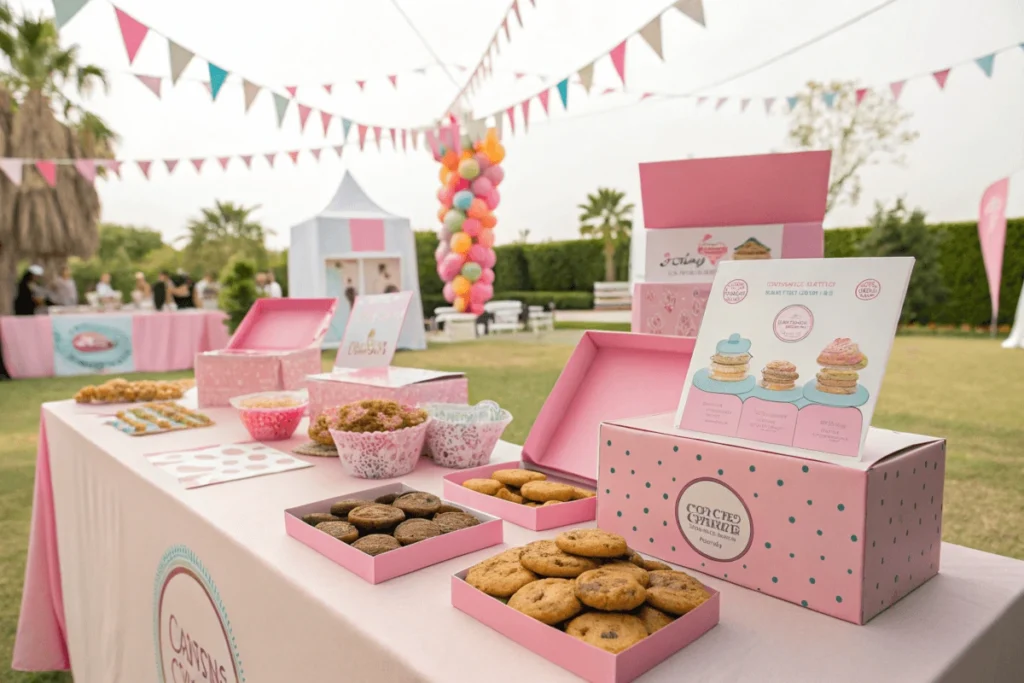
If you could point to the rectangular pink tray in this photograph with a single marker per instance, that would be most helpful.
(396, 562)
(586, 661)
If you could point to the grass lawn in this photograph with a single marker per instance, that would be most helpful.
(965, 389)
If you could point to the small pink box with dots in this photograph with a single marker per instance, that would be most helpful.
(847, 541)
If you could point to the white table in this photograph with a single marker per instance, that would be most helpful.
(296, 616)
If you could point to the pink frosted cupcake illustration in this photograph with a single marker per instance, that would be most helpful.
(654, 324)
(669, 301)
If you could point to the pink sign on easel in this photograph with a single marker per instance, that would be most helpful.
(371, 335)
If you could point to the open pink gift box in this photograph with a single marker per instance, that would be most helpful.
(380, 568)
(586, 661)
(610, 375)
(274, 349)
(411, 386)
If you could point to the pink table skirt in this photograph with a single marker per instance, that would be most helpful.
(161, 342)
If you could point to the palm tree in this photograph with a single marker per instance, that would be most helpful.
(604, 216)
(223, 231)
(43, 223)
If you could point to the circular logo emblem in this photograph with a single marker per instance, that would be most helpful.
(192, 631)
(714, 520)
(734, 291)
(868, 289)
(793, 323)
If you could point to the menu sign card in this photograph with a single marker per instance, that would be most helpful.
(692, 255)
(792, 354)
(371, 335)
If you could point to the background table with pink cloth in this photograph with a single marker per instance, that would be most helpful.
(104, 519)
(161, 341)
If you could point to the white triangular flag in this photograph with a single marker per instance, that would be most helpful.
(693, 9)
(251, 90)
(180, 57)
(652, 36)
(13, 169)
(586, 75)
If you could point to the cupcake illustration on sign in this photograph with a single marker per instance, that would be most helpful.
(729, 372)
(751, 250)
(837, 383)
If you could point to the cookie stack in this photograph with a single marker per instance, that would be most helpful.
(731, 361)
(839, 362)
(752, 250)
(390, 521)
(526, 487)
(588, 583)
(779, 375)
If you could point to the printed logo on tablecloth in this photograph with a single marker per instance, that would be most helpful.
(192, 633)
(371, 335)
(693, 255)
(85, 346)
(714, 520)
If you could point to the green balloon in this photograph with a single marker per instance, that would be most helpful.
(472, 271)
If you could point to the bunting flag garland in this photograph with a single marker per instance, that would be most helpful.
(586, 75)
(345, 126)
(652, 36)
(87, 169)
(361, 84)
(295, 156)
(744, 103)
(270, 158)
(897, 89)
(563, 92)
(133, 33)
(618, 55)
(940, 78)
(247, 160)
(304, 113)
(325, 119)
(543, 97)
(217, 77)
(338, 150)
(316, 153)
(151, 82)
(281, 106)
(525, 106)
(376, 136)
(291, 89)
(510, 114)
(405, 140)
(861, 92)
(171, 164)
(362, 136)
(394, 139)
(829, 98)
(250, 90)
(701, 100)
(694, 9)
(48, 170)
(144, 167)
(515, 9)
(791, 101)
(720, 103)
(768, 103)
(180, 58)
(198, 163)
(223, 161)
(65, 10)
(112, 165)
(415, 139)
(394, 81)
(13, 169)
(986, 63)
(328, 87)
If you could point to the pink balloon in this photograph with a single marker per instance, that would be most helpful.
(449, 293)
(482, 187)
(490, 258)
(493, 198)
(477, 254)
(476, 309)
(482, 161)
(486, 277)
(486, 238)
(444, 195)
(495, 174)
(471, 227)
(440, 252)
(450, 266)
(461, 185)
(480, 293)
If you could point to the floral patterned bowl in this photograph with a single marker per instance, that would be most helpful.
(380, 455)
(461, 435)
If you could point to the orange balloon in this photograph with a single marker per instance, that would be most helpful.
(492, 136)
(496, 154)
(443, 174)
(488, 220)
(440, 213)
(467, 153)
(461, 242)
(461, 303)
(450, 160)
(478, 209)
(461, 285)
(478, 146)
(486, 238)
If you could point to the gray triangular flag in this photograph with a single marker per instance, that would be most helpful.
(499, 124)
(65, 10)
(415, 138)
(251, 90)
(586, 75)
(281, 104)
(652, 35)
(693, 9)
(180, 57)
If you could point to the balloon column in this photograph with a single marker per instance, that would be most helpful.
(469, 195)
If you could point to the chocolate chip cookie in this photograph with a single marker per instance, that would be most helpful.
(610, 632)
(375, 517)
(376, 544)
(546, 559)
(445, 507)
(653, 619)
(592, 543)
(511, 497)
(489, 487)
(543, 491)
(641, 575)
(315, 518)
(549, 601)
(654, 565)
(517, 477)
(609, 590)
(501, 575)
(675, 592)
(416, 529)
(343, 531)
(387, 498)
(418, 504)
(343, 507)
(453, 521)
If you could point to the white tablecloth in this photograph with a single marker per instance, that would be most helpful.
(296, 616)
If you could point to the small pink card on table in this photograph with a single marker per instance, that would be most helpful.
(371, 335)
(229, 462)
(791, 354)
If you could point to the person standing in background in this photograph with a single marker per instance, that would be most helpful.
(261, 284)
(65, 292)
(162, 290)
(142, 291)
(181, 291)
(207, 293)
(273, 289)
(103, 288)
(31, 295)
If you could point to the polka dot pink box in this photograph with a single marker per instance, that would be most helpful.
(845, 540)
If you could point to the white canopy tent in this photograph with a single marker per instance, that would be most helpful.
(355, 247)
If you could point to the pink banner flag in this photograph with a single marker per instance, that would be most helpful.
(405, 139)
(133, 32)
(992, 235)
(608, 91)
(394, 80)
(768, 102)
(294, 154)
(618, 55)
(526, 115)
(48, 170)
(144, 167)
(376, 136)
(646, 95)
(504, 26)
(247, 159)
(338, 149)
(701, 100)
(720, 103)
(510, 115)
(304, 113)
(394, 138)
(325, 118)
(151, 82)
(328, 87)
(87, 168)
(171, 164)
(361, 84)
(515, 8)
(861, 92)
(743, 104)
(543, 97)
(112, 165)
(13, 169)
(270, 158)
(940, 78)
(198, 163)
(223, 161)
(897, 89)
(362, 135)
(316, 153)
(292, 89)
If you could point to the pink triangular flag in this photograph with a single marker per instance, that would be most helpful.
(721, 101)
(316, 153)
(362, 135)
(940, 78)
(607, 91)
(405, 139)
(198, 163)
(743, 104)
(151, 82)
(144, 167)
(209, 88)
(292, 89)
(861, 92)
(520, 75)
(543, 97)
(48, 170)
(394, 80)
(171, 164)
(510, 115)
(376, 136)
(112, 164)
(133, 32)
(304, 113)
(13, 169)
(618, 55)
(270, 158)
(526, 115)
(646, 95)
(361, 84)
(328, 87)
(87, 167)
(768, 102)
(515, 8)
(294, 155)
(247, 159)
(223, 161)
(325, 118)
(394, 138)
(701, 100)
(338, 149)
(504, 26)
(897, 88)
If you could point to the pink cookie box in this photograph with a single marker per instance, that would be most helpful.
(584, 660)
(380, 568)
(274, 349)
(610, 375)
(847, 541)
(328, 389)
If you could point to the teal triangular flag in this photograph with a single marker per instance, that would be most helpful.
(986, 63)
(791, 101)
(563, 92)
(345, 126)
(281, 104)
(217, 76)
(829, 98)
(65, 10)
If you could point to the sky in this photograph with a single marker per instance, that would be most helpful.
(971, 134)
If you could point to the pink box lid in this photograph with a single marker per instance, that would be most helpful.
(609, 376)
(747, 190)
(283, 325)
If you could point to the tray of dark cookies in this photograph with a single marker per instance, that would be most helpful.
(390, 530)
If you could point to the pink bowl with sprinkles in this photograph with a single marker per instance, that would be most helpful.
(271, 415)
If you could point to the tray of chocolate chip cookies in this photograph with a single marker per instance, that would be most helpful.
(589, 603)
(390, 530)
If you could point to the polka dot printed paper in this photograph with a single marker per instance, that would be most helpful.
(218, 464)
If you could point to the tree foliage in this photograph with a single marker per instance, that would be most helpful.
(136, 243)
(604, 216)
(223, 231)
(865, 133)
(238, 293)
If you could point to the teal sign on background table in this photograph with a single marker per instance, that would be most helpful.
(88, 345)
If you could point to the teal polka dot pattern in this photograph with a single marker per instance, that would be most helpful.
(840, 507)
(803, 603)
(775, 579)
(721, 472)
(792, 520)
(780, 482)
(699, 458)
(812, 580)
(619, 513)
(768, 545)
(753, 469)
(805, 469)
(609, 442)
